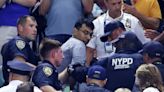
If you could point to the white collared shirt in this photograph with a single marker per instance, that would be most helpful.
(12, 86)
(130, 22)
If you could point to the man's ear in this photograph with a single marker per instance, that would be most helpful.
(75, 31)
(104, 81)
(20, 28)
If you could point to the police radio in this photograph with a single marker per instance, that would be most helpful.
(108, 47)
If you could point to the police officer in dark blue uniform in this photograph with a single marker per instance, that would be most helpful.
(46, 75)
(153, 52)
(96, 79)
(18, 47)
(19, 72)
(122, 65)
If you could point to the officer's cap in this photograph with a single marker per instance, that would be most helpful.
(19, 67)
(153, 48)
(97, 72)
(132, 41)
(130, 36)
(109, 28)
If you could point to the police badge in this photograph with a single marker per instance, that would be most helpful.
(128, 23)
(47, 71)
(20, 44)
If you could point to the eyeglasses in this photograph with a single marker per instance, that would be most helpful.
(87, 33)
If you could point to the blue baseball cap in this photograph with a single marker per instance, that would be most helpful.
(109, 28)
(153, 48)
(19, 67)
(97, 72)
(132, 41)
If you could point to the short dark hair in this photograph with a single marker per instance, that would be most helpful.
(22, 20)
(47, 45)
(82, 21)
(25, 87)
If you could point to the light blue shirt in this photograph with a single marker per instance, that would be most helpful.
(62, 16)
(74, 52)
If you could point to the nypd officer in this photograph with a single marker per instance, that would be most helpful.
(113, 30)
(96, 79)
(19, 72)
(122, 65)
(18, 48)
(153, 53)
(46, 76)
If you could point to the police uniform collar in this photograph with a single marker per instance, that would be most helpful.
(20, 38)
(114, 19)
(93, 84)
(126, 51)
(47, 61)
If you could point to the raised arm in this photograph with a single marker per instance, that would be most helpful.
(150, 21)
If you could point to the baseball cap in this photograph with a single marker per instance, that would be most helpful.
(19, 67)
(109, 28)
(132, 41)
(153, 48)
(97, 72)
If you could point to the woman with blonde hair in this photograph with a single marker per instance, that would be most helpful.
(149, 78)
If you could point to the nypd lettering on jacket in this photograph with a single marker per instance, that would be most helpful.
(122, 63)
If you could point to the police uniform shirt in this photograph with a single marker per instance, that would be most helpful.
(46, 74)
(17, 47)
(12, 86)
(121, 69)
(160, 66)
(92, 88)
(130, 22)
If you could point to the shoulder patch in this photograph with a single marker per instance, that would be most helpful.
(47, 71)
(20, 44)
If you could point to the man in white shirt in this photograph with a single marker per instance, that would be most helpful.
(114, 13)
(19, 73)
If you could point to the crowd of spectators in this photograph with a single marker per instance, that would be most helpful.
(82, 45)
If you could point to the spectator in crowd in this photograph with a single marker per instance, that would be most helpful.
(114, 13)
(18, 48)
(62, 16)
(46, 75)
(96, 79)
(10, 11)
(149, 16)
(20, 72)
(149, 78)
(25, 87)
(74, 49)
